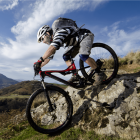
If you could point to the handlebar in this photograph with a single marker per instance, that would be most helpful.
(36, 72)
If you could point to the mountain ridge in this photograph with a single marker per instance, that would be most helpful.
(5, 81)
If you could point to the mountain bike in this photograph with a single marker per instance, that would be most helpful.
(49, 109)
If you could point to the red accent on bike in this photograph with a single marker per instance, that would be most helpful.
(70, 68)
(39, 61)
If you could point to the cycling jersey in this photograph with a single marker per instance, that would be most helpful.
(62, 37)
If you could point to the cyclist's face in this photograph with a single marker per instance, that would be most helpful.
(46, 38)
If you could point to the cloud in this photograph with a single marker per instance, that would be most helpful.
(19, 54)
(121, 39)
(43, 12)
(8, 4)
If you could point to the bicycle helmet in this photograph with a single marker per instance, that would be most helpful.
(42, 31)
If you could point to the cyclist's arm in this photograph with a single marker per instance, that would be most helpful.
(45, 62)
(51, 50)
(56, 43)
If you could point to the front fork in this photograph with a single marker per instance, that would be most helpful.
(48, 98)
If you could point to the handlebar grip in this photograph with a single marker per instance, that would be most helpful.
(36, 71)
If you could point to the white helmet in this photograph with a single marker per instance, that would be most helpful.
(42, 31)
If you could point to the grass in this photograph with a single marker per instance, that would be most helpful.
(137, 69)
(60, 85)
(131, 62)
(14, 96)
(130, 58)
(18, 132)
(25, 132)
(21, 130)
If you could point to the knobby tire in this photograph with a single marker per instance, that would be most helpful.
(113, 55)
(69, 107)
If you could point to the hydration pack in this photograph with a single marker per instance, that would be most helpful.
(62, 23)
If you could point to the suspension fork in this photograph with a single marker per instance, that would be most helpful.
(48, 98)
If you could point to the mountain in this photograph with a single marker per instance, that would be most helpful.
(19, 80)
(5, 81)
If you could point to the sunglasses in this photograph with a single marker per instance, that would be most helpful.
(42, 38)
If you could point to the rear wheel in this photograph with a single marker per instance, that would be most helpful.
(106, 58)
(38, 111)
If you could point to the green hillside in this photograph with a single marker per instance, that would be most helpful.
(23, 88)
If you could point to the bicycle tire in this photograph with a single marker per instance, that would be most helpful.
(30, 112)
(96, 48)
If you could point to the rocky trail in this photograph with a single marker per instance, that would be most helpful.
(112, 110)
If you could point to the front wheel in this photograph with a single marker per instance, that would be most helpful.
(105, 56)
(38, 112)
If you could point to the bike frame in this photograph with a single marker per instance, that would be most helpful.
(71, 69)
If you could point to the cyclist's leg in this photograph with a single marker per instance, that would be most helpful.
(91, 62)
(70, 53)
(85, 50)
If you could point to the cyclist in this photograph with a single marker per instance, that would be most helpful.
(84, 38)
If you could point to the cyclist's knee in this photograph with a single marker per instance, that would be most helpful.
(66, 57)
(83, 57)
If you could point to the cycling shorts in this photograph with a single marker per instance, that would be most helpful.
(83, 48)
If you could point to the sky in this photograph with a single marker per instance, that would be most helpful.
(114, 22)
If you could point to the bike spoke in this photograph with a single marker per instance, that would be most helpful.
(41, 115)
(105, 58)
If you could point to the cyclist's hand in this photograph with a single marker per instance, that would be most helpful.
(37, 66)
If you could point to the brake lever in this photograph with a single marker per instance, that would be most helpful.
(35, 73)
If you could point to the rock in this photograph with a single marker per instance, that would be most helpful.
(122, 71)
(111, 109)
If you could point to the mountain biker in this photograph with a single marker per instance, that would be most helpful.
(80, 43)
